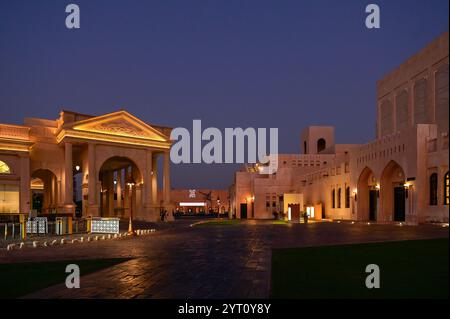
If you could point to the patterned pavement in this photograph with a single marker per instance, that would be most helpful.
(203, 261)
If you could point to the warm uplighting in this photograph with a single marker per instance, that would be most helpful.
(407, 185)
(377, 186)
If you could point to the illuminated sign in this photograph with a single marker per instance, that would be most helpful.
(192, 204)
(105, 225)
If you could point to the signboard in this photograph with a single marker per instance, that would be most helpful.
(105, 225)
(37, 225)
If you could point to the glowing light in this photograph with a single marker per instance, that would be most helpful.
(289, 213)
(192, 204)
(77, 168)
(377, 186)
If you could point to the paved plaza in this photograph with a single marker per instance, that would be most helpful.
(180, 261)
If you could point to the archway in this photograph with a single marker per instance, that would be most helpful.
(44, 192)
(393, 193)
(120, 188)
(367, 196)
(321, 145)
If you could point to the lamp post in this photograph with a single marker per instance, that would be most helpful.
(218, 207)
(130, 183)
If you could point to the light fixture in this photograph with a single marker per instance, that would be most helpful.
(77, 168)
(377, 186)
(115, 182)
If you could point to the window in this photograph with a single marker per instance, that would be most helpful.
(347, 197)
(339, 198)
(446, 189)
(305, 149)
(433, 189)
(4, 169)
(321, 145)
(333, 198)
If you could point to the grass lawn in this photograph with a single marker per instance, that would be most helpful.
(408, 269)
(20, 279)
(220, 222)
(225, 222)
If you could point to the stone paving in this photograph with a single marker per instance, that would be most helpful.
(203, 261)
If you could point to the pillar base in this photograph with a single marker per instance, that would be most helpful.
(69, 209)
(93, 211)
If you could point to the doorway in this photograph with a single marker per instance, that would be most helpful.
(373, 195)
(243, 211)
(399, 204)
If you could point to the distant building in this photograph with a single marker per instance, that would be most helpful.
(200, 201)
(402, 176)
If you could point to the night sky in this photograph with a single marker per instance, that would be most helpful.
(285, 64)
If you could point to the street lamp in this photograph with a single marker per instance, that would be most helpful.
(130, 183)
(218, 207)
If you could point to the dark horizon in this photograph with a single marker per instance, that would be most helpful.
(231, 64)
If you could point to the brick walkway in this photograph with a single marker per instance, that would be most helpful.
(203, 261)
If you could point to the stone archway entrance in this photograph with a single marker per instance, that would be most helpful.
(44, 192)
(121, 188)
(393, 193)
(367, 196)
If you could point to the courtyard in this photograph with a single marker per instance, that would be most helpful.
(229, 260)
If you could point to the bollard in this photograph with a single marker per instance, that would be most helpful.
(82, 239)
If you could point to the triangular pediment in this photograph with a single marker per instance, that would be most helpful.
(122, 124)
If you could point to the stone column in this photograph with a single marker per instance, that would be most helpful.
(68, 177)
(24, 205)
(92, 182)
(155, 180)
(166, 185)
(110, 192)
(69, 206)
(149, 211)
(119, 189)
(166, 178)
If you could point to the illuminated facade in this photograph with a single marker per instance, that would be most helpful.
(401, 176)
(90, 165)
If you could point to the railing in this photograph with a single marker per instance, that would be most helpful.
(41, 226)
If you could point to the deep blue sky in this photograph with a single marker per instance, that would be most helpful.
(285, 64)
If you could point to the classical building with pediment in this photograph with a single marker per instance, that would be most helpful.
(86, 165)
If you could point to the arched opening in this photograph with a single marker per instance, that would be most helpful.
(433, 189)
(321, 145)
(393, 193)
(4, 168)
(347, 197)
(339, 195)
(367, 196)
(44, 192)
(120, 188)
